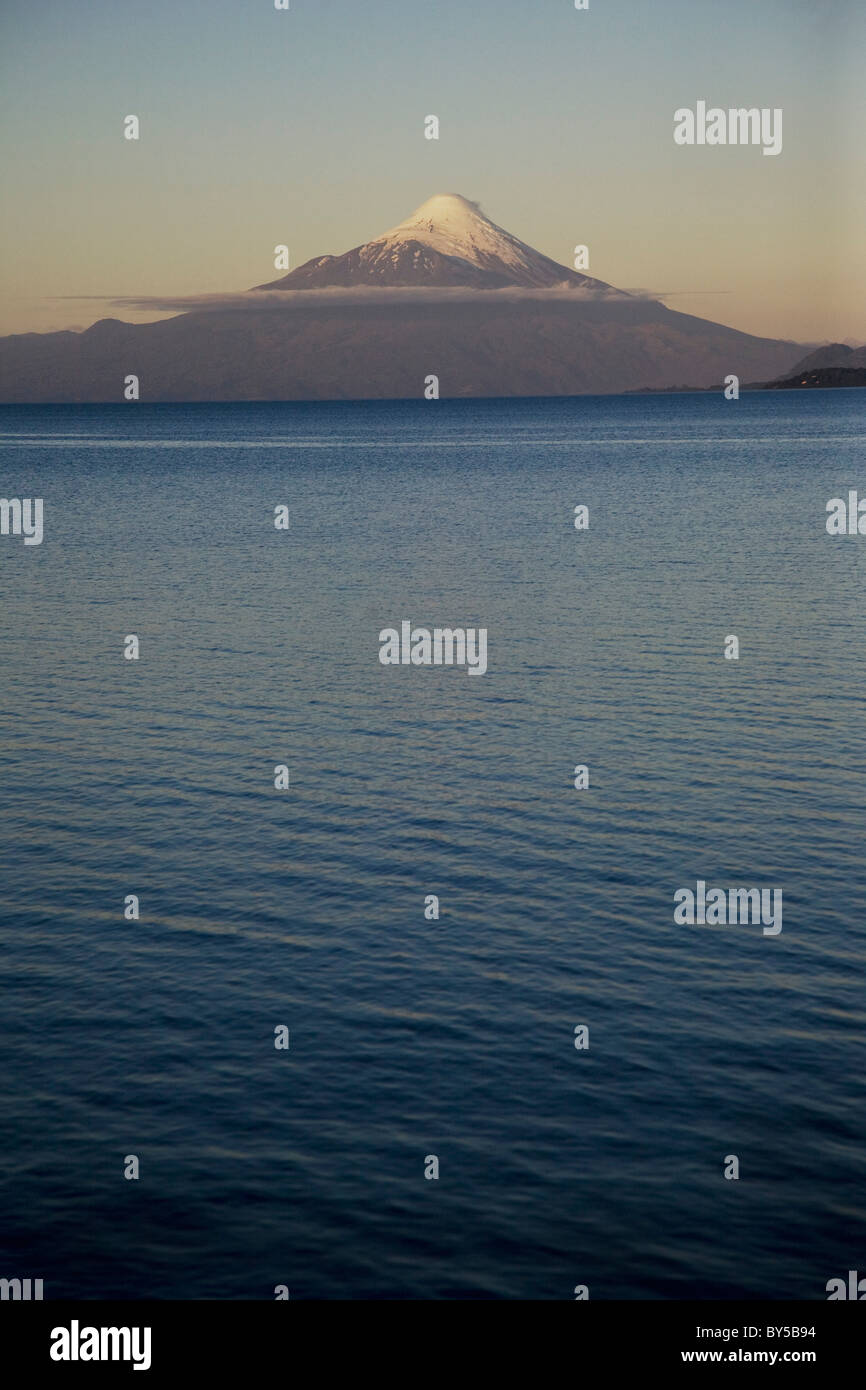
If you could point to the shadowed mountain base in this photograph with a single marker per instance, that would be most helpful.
(386, 350)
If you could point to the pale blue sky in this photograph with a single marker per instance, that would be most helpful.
(306, 127)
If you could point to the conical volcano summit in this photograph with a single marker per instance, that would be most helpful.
(447, 241)
(446, 293)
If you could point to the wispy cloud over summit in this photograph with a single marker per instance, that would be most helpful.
(361, 296)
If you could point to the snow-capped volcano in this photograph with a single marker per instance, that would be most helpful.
(446, 242)
(453, 226)
(360, 334)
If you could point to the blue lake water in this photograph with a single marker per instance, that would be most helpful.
(411, 1037)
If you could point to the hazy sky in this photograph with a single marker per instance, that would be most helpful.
(306, 127)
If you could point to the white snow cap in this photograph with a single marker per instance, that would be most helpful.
(449, 211)
(455, 226)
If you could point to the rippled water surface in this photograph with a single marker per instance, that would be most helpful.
(412, 1037)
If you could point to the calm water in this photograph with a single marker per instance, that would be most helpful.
(306, 908)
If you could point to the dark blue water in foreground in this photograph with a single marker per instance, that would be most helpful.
(306, 908)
